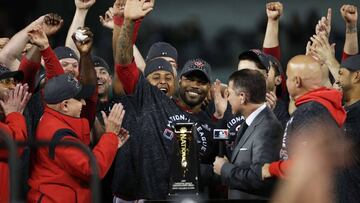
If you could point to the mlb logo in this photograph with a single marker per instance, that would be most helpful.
(221, 134)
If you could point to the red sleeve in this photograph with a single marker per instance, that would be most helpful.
(128, 76)
(279, 168)
(15, 127)
(119, 21)
(89, 110)
(77, 163)
(52, 64)
(273, 51)
(29, 68)
(345, 56)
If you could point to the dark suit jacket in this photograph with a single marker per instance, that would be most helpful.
(259, 144)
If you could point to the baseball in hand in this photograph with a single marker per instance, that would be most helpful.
(79, 35)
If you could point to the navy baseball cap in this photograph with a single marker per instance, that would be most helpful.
(352, 63)
(65, 52)
(157, 64)
(100, 62)
(276, 63)
(161, 49)
(6, 73)
(197, 65)
(257, 55)
(63, 87)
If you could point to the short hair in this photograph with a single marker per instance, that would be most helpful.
(252, 82)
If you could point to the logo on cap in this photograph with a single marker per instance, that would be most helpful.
(256, 51)
(199, 64)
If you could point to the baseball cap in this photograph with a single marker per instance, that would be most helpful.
(65, 52)
(197, 65)
(352, 63)
(257, 55)
(6, 73)
(276, 63)
(157, 64)
(62, 87)
(161, 49)
(100, 62)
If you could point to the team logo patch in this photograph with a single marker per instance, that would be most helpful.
(168, 134)
(199, 64)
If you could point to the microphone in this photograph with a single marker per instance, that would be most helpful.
(221, 135)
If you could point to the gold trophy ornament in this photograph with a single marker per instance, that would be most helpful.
(184, 162)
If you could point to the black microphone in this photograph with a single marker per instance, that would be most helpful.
(221, 135)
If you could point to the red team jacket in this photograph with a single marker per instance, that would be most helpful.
(15, 126)
(67, 177)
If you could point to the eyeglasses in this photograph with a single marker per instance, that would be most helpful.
(7, 82)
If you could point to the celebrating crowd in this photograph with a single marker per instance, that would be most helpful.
(294, 125)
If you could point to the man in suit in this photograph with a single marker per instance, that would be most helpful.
(257, 141)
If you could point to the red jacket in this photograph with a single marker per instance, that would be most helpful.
(14, 126)
(66, 178)
(331, 99)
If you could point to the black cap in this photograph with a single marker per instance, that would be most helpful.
(6, 73)
(276, 63)
(100, 62)
(161, 49)
(197, 65)
(65, 52)
(157, 64)
(63, 87)
(352, 63)
(258, 55)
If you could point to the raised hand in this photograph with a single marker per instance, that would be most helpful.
(52, 23)
(36, 22)
(84, 4)
(349, 14)
(108, 21)
(16, 100)
(321, 49)
(274, 10)
(220, 101)
(118, 8)
(324, 25)
(84, 46)
(113, 122)
(135, 9)
(38, 37)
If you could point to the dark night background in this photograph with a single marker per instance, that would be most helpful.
(214, 30)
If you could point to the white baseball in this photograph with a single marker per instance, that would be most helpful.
(79, 35)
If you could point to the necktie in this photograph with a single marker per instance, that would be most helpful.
(241, 132)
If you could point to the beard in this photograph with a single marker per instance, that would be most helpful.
(192, 99)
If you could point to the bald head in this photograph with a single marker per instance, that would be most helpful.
(304, 74)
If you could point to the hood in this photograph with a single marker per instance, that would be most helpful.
(331, 99)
